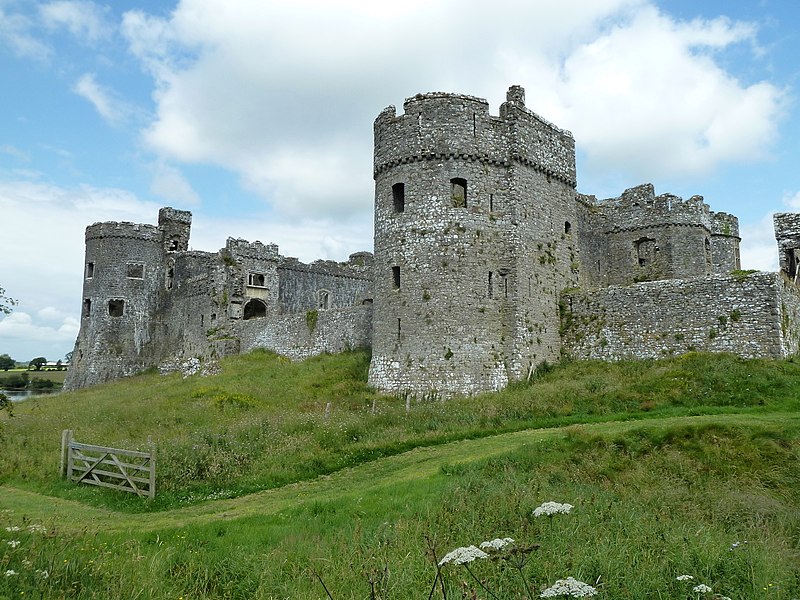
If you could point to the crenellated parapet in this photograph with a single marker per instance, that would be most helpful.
(639, 207)
(125, 230)
(239, 248)
(438, 126)
(724, 224)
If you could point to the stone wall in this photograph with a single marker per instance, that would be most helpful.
(322, 285)
(751, 316)
(301, 335)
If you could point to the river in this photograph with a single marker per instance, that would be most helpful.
(20, 395)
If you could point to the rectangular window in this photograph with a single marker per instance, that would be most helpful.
(89, 270)
(255, 279)
(87, 307)
(399, 197)
(116, 308)
(490, 285)
(396, 277)
(135, 271)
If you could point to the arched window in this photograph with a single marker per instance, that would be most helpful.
(254, 309)
(567, 227)
(645, 251)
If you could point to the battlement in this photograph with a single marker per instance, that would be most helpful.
(360, 268)
(123, 229)
(441, 126)
(639, 207)
(724, 224)
(241, 248)
(169, 214)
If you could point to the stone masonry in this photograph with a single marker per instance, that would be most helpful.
(487, 262)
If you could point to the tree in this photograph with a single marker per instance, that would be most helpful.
(6, 304)
(6, 362)
(38, 363)
(68, 357)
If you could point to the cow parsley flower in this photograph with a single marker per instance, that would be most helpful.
(702, 589)
(684, 578)
(569, 587)
(496, 544)
(10, 573)
(42, 573)
(12, 529)
(736, 545)
(37, 529)
(465, 554)
(552, 508)
(13, 543)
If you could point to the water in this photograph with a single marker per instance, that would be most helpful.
(20, 395)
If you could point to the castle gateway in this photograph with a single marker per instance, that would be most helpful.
(486, 263)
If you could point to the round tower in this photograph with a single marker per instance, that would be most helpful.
(473, 240)
(123, 276)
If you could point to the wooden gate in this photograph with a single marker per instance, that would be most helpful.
(125, 470)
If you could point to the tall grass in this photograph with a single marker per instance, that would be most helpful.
(651, 502)
(262, 422)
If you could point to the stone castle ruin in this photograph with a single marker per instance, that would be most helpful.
(486, 263)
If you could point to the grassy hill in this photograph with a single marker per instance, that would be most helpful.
(275, 475)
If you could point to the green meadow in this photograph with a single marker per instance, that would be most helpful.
(296, 480)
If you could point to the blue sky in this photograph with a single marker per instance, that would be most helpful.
(256, 115)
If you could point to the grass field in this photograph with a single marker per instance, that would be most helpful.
(670, 466)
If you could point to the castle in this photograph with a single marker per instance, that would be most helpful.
(486, 263)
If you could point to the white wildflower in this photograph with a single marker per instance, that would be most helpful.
(462, 555)
(552, 508)
(701, 589)
(736, 545)
(12, 529)
(10, 573)
(569, 587)
(42, 573)
(684, 578)
(13, 543)
(27, 563)
(37, 529)
(496, 544)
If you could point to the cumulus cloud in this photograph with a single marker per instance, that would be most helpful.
(284, 94)
(87, 21)
(647, 96)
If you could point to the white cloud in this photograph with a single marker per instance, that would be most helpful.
(170, 184)
(15, 34)
(648, 98)
(284, 93)
(792, 200)
(85, 20)
(23, 338)
(104, 100)
(758, 248)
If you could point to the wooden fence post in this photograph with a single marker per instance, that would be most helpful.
(152, 448)
(66, 438)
